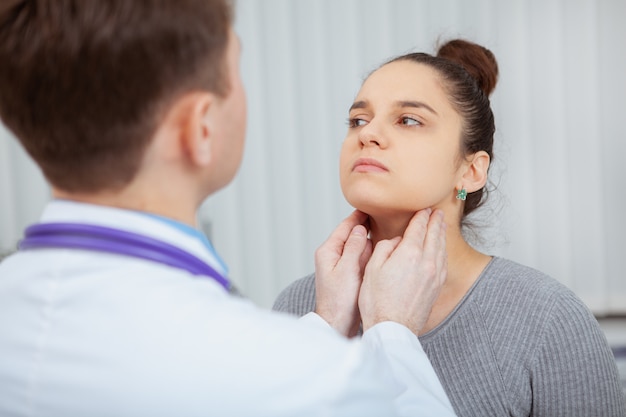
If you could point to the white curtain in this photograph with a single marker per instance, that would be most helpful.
(560, 135)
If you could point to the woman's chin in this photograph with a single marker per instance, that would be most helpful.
(377, 210)
(374, 209)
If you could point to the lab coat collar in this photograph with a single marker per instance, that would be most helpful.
(132, 221)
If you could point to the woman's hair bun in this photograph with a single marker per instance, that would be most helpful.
(477, 60)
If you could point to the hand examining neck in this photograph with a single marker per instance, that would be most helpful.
(460, 253)
(465, 264)
(339, 266)
(396, 281)
(405, 274)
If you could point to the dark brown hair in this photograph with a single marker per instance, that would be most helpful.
(83, 83)
(469, 73)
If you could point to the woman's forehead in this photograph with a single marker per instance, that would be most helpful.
(404, 80)
(404, 67)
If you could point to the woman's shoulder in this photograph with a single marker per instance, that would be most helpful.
(298, 297)
(514, 309)
(506, 276)
(511, 290)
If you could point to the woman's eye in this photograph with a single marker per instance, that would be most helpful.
(409, 121)
(356, 122)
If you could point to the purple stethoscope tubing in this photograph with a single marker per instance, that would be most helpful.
(121, 242)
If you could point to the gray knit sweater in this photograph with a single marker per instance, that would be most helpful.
(518, 344)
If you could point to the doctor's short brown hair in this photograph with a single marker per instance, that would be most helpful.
(84, 83)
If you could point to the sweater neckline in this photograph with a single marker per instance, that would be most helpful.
(460, 305)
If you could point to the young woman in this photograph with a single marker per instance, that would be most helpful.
(504, 339)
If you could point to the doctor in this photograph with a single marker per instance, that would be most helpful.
(116, 305)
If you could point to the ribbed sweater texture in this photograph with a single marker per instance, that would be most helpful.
(518, 344)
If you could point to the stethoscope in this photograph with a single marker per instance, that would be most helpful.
(120, 242)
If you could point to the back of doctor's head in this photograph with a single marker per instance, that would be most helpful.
(84, 83)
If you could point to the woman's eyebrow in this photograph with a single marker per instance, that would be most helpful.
(361, 104)
(415, 104)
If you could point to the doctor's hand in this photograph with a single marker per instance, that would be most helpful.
(404, 275)
(339, 266)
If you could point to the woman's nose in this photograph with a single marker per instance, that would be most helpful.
(370, 135)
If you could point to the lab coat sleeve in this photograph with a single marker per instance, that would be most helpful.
(419, 391)
(404, 367)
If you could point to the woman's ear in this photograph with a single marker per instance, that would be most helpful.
(475, 176)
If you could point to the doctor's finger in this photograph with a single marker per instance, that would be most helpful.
(415, 233)
(354, 248)
(340, 235)
(366, 255)
(332, 248)
(435, 242)
(383, 251)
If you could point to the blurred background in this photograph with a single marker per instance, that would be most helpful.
(559, 171)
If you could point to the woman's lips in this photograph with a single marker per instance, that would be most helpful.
(368, 165)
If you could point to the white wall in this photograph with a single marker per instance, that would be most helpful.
(560, 135)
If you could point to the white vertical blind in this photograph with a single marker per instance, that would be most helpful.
(23, 192)
(560, 137)
(611, 51)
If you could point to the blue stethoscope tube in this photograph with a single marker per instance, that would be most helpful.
(120, 242)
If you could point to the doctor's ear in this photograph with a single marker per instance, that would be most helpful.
(477, 168)
(196, 129)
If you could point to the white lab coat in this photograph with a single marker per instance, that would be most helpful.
(87, 333)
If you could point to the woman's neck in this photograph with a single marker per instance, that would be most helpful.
(465, 264)
(463, 259)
